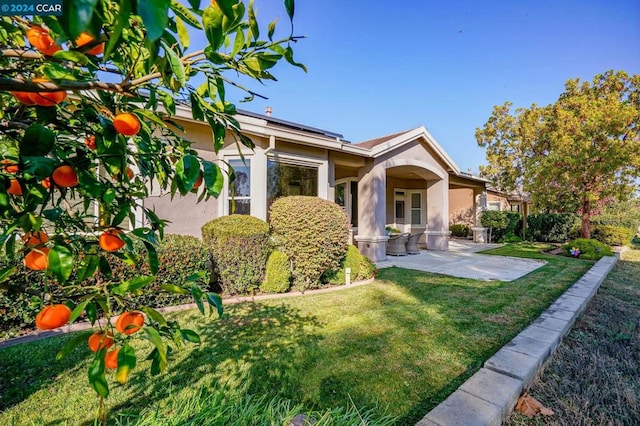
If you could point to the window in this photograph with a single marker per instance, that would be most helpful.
(354, 202)
(240, 188)
(493, 205)
(515, 208)
(289, 179)
(416, 208)
(346, 196)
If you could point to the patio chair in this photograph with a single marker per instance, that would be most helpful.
(397, 245)
(412, 243)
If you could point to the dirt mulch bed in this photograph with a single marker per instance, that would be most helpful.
(594, 376)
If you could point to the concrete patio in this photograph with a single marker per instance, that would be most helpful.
(463, 261)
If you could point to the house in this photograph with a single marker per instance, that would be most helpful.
(401, 180)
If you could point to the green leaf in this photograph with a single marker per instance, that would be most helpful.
(88, 266)
(272, 28)
(187, 172)
(290, 6)
(154, 14)
(126, 363)
(154, 337)
(7, 271)
(215, 301)
(92, 312)
(97, 378)
(183, 33)
(71, 56)
(122, 20)
(238, 43)
(185, 14)
(154, 315)
(253, 23)
(172, 288)
(212, 21)
(37, 141)
(152, 257)
(61, 262)
(190, 335)
(78, 310)
(146, 234)
(71, 345)
(213, 178)
(76, 16)
(46, 114)
(196, 292)
(133, 284)
(288, 55)
(176, 65)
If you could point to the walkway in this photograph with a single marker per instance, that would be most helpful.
(463, 261)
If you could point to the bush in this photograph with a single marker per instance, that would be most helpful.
(240, 246)
(550, 227)
(496, 221)
(179, 256)
(361, 268)
(510, 237)
(625, 214)
(588, 249)
(313, 232)
(278, 273)
(612, 235)
(459, 230)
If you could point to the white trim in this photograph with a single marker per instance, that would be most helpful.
(371, 238)
(319, 163)
(440, 233)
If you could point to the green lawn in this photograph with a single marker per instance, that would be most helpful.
(399, 346)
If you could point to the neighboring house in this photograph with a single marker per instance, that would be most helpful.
(401, 180)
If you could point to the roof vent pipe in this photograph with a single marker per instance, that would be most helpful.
(267, 111)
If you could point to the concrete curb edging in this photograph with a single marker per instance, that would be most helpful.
(489, 396)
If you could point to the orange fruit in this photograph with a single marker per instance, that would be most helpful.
(90, 142)
(129, 322)
(198, 182)
(41, 39)
(23, 98)
(47, 98)
(126, 124)
(110, 240)
(129, 173)
(46, 182)
(85, 39)
(14, 188)
(99, 341)
(64, 176)
(37, 259)
(111, 359)
(10, 167)
(32, 240)
(53, 316)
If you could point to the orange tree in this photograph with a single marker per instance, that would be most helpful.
(86, 97)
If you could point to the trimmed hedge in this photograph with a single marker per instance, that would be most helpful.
(550, 227)
(240, 246)
(361, 268)
(589, 249)
(313, 232)
(277, 277)
(180, 256)
(612, 235)
(459, 230)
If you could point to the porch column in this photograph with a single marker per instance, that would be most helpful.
(437, 232)
(479, 206)
(372, 199)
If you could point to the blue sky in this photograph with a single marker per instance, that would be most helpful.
(377, 67)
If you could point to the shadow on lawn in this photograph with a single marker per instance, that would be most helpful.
(238, 350)
(26, 368)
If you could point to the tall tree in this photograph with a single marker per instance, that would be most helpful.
(86, 98)
(573, 155)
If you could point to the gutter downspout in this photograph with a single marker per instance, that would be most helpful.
(272, 145)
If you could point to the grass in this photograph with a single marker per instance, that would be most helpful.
(593, 378)
(396, 347)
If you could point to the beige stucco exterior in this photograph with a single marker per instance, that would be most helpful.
(401, 181)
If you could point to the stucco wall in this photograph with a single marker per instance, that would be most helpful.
(461, 206)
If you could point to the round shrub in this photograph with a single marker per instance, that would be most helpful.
(459, 230)
(587, 249)
(277, 277)
(612, 235)
(550, 227)
(361, 268)
(240, 246)
(313, 232)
